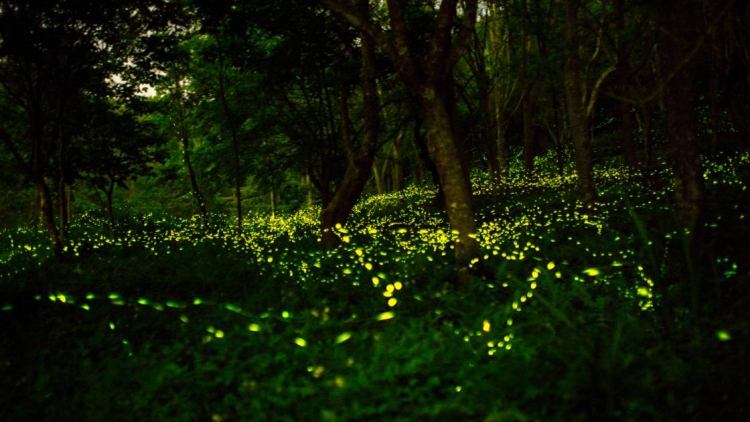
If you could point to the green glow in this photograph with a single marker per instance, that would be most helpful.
(343, 337)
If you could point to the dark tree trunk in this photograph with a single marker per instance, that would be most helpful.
(185, 139)
(528, 130)
(428, 78)
(678, 72)
(235, 142)
(109, 192)
(48, 216)
(623, 87)
(559, 132)
(576, 110)
(502, 150)
(626, 119)
(484, 86)
(423, 152)
(647, 112)
(359, 161)
(62, 197)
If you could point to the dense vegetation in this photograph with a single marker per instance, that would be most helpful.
(354, 209)
(586, 316)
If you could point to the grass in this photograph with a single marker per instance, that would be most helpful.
(588, 317)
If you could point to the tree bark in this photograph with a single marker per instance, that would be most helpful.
(678, 69)
(359, 161)
(456, 188)
(576, 109)
(427, 78)
(623, 86)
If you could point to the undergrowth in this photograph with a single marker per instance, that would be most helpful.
(575, 317)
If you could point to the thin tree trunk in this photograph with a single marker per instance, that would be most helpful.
(626, 119)
(576, 109)
(502, 148)
(235, 141)
(62, 197)
(273, 203)
(647, 112)
(309, 190)
(378, 180)
(714, 100)
(528, 130)
(397, 172)
(48, 216)
(559, 135)
(623, 87)
(109, 192)
(185, 139)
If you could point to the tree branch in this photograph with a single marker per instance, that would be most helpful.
(465, 33)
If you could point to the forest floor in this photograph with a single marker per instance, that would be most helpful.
(577, 317)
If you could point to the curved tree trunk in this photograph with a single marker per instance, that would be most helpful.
(427, 78)
(360, 162)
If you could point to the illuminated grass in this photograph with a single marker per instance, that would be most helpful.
(268, 320)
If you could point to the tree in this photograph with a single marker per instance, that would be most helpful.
(118, 147)
(359, 160)
(55, 54)
(428, 77)
(577, 107)
(678, 66)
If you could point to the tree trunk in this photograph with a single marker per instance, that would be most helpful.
(623, 87)
(109, 192)
(273, 203)
(48, 216)
(378, 180)
(309, 190)
(559, 135)
(528, 130)
(678, 71)
(235, 148)
(502, 148)
(456, 187)
(647, 142)
(626, 119)
(714, 100)
(428, 77)
(62, 197)
(576, 109)
(397, 172)
(185, 139)
(359, 162)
